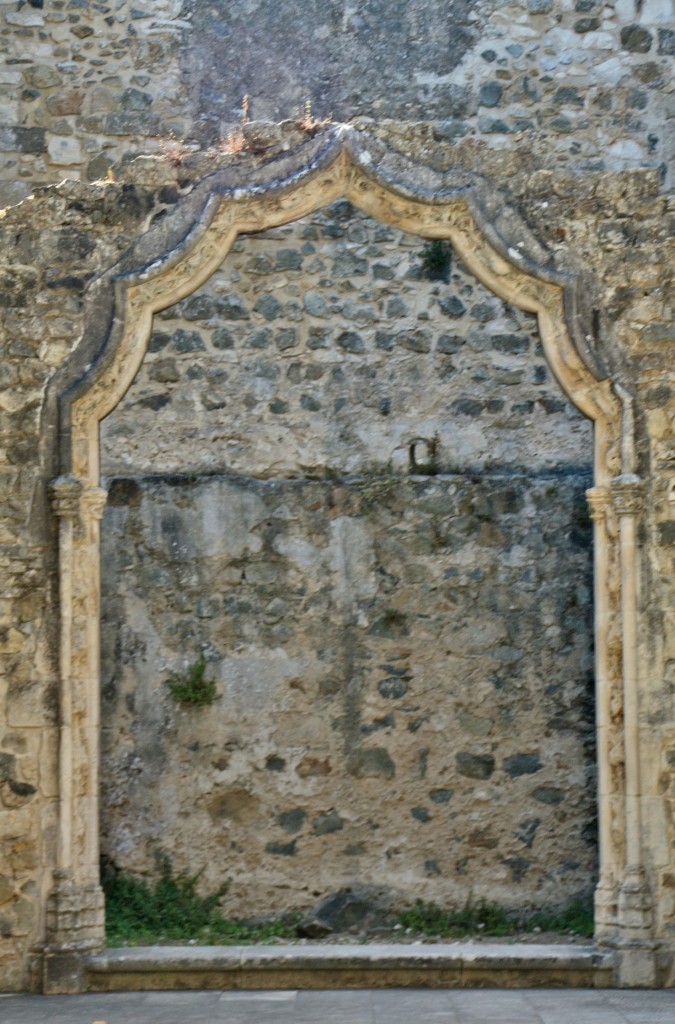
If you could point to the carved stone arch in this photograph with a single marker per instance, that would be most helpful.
(441, 207)
(425, 203)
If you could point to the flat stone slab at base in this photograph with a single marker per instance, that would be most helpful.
(457, 965)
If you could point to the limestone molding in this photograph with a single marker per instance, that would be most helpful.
(605, 904)
(75, 927)
(635, 903)
(347, 172)
(628, 495)
(75, 904)
(66, 492)
(93, 503)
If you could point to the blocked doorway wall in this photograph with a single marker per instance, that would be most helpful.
(345, 476)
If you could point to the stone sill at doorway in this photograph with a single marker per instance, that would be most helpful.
(444, 965)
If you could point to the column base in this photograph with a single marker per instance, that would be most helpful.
(635, 907)
(62, 974)
(636, 964)
(605, 911)
(635, 947)
(75, 927)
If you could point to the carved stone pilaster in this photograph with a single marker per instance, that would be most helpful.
(634, 944)
(605, 899)
(71, 501)
(605, 910)
(635, 904)
(75, 914)
(636, 949)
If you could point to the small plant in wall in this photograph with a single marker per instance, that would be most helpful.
(310, 124)
(174, 150)
(191, 687)
(436, 259)
(236, 141)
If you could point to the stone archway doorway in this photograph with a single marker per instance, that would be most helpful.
(344, 171)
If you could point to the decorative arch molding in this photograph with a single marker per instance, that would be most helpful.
(339, 165)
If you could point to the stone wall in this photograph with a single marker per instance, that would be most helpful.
(564, 120)
(50, 245)
(404, 683)
(384, 557)
(331, 345)
(577, 82)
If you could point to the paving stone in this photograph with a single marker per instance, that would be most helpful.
(369, 1006)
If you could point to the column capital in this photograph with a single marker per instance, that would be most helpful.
(628, 494)
(65, 493)
(93, 502)
(599, 502)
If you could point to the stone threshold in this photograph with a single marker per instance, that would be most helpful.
(315, 966)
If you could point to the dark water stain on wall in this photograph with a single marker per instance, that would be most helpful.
(337, 55)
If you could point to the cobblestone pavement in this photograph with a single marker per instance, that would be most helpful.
(367, 1006)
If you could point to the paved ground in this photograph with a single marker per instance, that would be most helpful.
(369, 1006)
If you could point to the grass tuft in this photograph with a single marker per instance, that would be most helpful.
(484, 917)
(139, 913)
(487, 918)
(577, 918)
(170, 910)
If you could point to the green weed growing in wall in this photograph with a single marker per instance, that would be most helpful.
(490, 919)
(436, 259)
(192, 687)
(429, 919)
(170, 909)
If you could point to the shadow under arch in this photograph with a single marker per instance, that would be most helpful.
(338, 165)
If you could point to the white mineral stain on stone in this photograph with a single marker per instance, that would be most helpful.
(222, 524)
(475, 636)
(299, 551)
(657, 12)
(430, 78)
(228, 517)
(560, 40)
(24, 18)
(253, 681)
(352, 561)
(625, 150)
(64, 150)
(599, 41)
